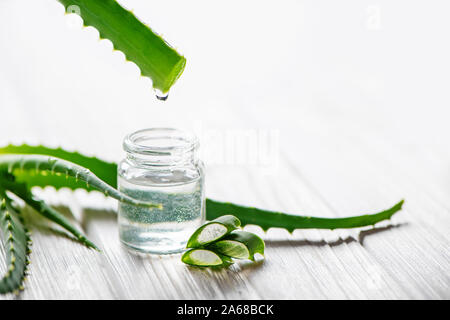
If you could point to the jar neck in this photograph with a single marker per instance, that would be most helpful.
(161, 147)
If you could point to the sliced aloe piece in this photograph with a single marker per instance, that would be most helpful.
(240, 245)
(204, 258)
(213, 231)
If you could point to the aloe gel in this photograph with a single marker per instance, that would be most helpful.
(161, 167)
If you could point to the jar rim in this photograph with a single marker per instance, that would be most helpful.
(160, 141)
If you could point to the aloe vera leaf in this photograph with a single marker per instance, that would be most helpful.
(240, 245)
(47, 166)
(48, 212)
(16, 242)
(248, 215)
(22, 191)
(270, 219)
(104, 170)
(55, 216)
(204, 258)
(213, 231)
(156, 59)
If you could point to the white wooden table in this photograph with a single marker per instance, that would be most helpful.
(348, 110)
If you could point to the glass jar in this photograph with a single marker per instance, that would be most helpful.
(161, 166)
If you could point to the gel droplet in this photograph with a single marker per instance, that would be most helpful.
(161, 96)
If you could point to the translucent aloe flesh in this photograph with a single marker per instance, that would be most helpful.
(221, 244)
(213, 231)
(240, 245)
(202, 258)
(218, 240)
(231, 249)
(154, 57)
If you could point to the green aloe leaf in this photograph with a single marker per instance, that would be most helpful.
(48, 166)
(204, 258)
(156, 59)
(54, 215)
(106, 171)
(16, 242)
(266, 219)
(272, 219)
(213, 231)
(240, 245)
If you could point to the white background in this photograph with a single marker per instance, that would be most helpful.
(320, 71)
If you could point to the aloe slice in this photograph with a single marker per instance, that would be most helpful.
(213, 231)
(239, 245)
(203, 258)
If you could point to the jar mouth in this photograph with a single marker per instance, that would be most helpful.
(160, 142)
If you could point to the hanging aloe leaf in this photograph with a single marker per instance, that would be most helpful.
(240, 245)
(213, 231)
(205, 258)
(16, 242)
(247, 215)
(156, 59)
